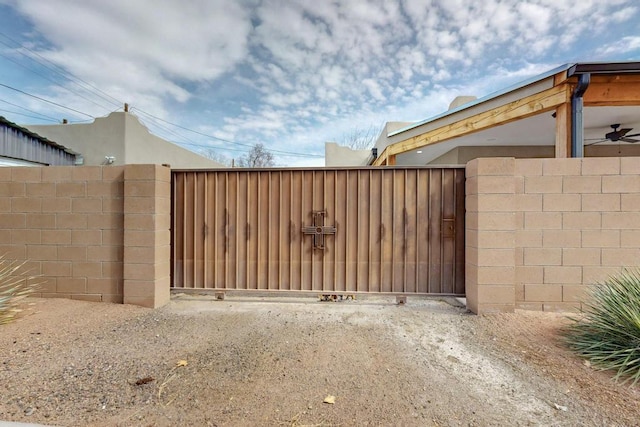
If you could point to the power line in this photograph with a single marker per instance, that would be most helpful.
(45, 100)
(28, 115)
(63, 72)
(31, 111)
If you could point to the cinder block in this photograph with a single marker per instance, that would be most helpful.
(630, 239)
(543, 184)
(72, 221)
(105, 253)
(542, 220)
(113, 173)
(592, 275)
(14, 252)
(146, 272)
(40, 189)
(488, 239)
(106, 221)
(561, 307)
(496, 294)
(621, 220)
(106, 189)
(41, 221)
(601, 238)
(562, 275)
(42, 252)
(529, 238)
(529, 203)
(112, 237)
(112, 270)
(26, 174)
(495, 308)
(495, 275)
(582, 184)
(21, 236)
(528, 167)
(630, 202)
(57, 173)
(581, 256)
(581, 220)
(5, 237)
(71, 189)
(542, 256)
(5, 204)
(104, 286)
(561, 202)
(72, 285)
(488, 221)
(624, 257)
(56, 205)
(86, 237)
(86, 205)
(86, 269)
(87, 297)
(492, 185)
(621, 184)
(147, 188)
(47, 285)
(529, 275)
(574, 293)
(56, 268)
(529, 306)
(629, 166)
(26, 204)
(14, 189)
(13, 220)
(561, 166)
(471, 168)
(87, 173)
(542, 293)
(601, 202)
(496, 166)
(115, 299)
(601, 166)
(5, 174)
(72, 253)
(562, 238)
(56, 237)
(147, 172)
(113, 205)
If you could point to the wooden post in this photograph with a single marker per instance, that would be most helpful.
(563, 130)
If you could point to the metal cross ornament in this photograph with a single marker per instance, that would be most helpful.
(318, 230)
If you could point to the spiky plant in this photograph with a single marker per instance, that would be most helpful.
(14, 288)
(608, 334)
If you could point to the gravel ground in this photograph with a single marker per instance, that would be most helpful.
(273, 361)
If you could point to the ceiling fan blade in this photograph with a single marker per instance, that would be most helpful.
(596, 142)
(625, 139)
(633, 134)
(624, 131)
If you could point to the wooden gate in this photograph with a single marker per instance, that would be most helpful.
(381, 230)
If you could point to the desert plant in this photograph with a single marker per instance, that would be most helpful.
(14, 288)
(608, 334)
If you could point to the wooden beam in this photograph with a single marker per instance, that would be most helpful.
(563, 130)
(531, 105)
(612, 94)
(391, 160)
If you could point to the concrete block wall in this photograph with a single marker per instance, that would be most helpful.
(68, 223)
(577, 221)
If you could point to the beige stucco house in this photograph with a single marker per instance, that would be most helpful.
(120, 139)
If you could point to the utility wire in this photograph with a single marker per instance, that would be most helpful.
(63, 72)
(28, 115)
(45, 100)
(31, 111)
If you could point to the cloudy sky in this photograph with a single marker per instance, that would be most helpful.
(288, 74)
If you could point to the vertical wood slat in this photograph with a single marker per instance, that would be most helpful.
(399, 230)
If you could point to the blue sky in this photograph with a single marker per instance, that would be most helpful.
(288, 74)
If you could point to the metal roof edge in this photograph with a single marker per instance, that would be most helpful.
(488, 97)
(34, 135)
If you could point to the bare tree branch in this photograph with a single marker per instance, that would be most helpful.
(257, 157)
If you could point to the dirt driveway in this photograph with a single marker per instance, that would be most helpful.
(248, 361)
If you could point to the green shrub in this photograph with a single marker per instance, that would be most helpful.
(14, 288)
(608, 334)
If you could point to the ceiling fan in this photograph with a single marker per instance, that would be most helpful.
(617, 135)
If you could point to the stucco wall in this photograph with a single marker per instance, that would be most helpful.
(338, 155)
(539, 231)
(89, 232)
(122, 136)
